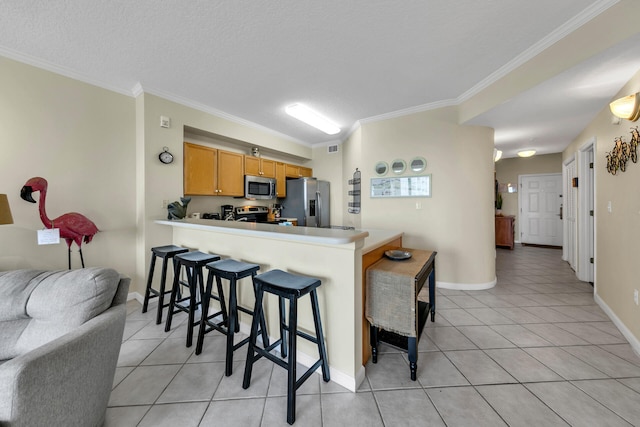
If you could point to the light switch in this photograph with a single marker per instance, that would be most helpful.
(609, 208)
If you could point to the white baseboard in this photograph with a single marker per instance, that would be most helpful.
(467, 286)
(633, 341)
(136, 296)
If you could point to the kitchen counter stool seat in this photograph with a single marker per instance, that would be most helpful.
(291, 287)
(231, 270)
(165, 252)
(193, 263)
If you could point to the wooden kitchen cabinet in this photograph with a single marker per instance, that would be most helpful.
(259, 167)
(212, 172)
(295, 171)
(505, 230)
(281, 180)
(230, 174)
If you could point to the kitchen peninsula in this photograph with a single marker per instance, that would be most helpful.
(334, 256)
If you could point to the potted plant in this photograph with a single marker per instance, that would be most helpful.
(499, 204)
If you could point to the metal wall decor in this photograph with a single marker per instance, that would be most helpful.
(621, 153)
(354, 193)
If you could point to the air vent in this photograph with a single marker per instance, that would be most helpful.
(332, 148)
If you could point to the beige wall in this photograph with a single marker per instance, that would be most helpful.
(617, 233)
(82, 140)
(457, 221)
(508, 171)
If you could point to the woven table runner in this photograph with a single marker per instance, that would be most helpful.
(391, 294)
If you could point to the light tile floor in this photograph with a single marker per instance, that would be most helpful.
(533, 350)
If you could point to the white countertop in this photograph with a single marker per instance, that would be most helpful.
(327, 236)
(377, 238)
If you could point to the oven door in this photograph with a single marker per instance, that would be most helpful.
(258, 187)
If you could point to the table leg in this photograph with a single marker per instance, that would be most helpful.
(413, 356)
(373, 336)
(432, 292)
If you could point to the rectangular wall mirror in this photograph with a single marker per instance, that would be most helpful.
(402, 186)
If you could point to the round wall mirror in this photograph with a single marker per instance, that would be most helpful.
(398, 166)
(418, 164)
(381, 168)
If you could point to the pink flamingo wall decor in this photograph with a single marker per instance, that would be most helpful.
(74, 227)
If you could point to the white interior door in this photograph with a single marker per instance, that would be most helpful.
(540, 199)
(585, 236)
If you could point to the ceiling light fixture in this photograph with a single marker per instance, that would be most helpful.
(526, 153)
(497, 155)
(312, 118)
(627, 107)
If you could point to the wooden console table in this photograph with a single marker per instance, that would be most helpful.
(392, 307)
(504, 230)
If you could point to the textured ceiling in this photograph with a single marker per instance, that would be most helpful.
(351, 60)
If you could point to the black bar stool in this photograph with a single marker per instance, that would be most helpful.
(233, 271)
(165, 252)
(291, 287)
(193, 263)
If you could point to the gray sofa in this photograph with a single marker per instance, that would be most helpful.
(60, 337)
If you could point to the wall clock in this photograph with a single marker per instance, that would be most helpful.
(165, 157)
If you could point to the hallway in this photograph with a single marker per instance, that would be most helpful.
(533, 350)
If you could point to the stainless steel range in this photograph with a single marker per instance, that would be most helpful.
(251, 213)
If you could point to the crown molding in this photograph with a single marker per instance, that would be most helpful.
(210, 110)
(57, 69)
(556, 35)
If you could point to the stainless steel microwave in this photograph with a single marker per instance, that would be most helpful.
(258, 187)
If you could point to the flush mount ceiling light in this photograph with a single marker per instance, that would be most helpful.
(312, 118)
(627, 107)
(497, 155)
(526, 153)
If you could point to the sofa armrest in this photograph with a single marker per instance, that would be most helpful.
(66, 381)
(123, 291)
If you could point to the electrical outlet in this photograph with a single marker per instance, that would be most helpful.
(418, 205)
(165, 203)
(635, 296)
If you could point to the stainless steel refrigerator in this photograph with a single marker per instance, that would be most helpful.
(308, 201)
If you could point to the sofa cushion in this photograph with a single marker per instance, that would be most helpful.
(10, 331)
(15, 289)
(64, 300)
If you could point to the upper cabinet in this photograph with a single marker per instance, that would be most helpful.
(259, 167)
(293, 171)
(281, 180)
(200, 178)
(230, 174)
(211, 172)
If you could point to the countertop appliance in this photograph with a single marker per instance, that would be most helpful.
(308, 201)
(259, 187)
(226, 212)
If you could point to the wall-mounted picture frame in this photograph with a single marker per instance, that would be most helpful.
(402, 186)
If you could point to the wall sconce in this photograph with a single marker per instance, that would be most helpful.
(627, 107)
(526, 153)
(5, 210)
(497, 155)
